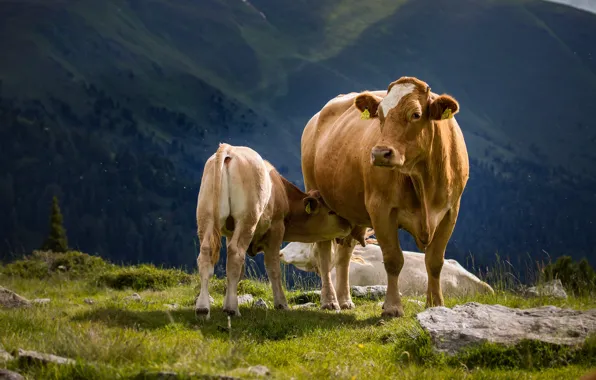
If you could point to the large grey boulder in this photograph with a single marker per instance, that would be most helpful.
(9, 299)
(10, 375)
(474, 323)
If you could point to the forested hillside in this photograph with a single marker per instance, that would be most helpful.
(114, 107)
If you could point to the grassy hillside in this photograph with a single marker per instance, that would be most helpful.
(111, 335)
(114, 106)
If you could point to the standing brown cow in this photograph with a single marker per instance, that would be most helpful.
(387, 160)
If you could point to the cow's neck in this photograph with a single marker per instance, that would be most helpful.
(430, 179)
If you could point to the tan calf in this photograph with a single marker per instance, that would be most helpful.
(244, 198)
(387, 160)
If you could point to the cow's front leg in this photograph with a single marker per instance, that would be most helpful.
(434, 257)
(323, 257)
(384, 222)
(272, 264)
(342, 268)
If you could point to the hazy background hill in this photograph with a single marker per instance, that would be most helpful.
(114, 106)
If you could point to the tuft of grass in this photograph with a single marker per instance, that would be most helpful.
(577, 277)
(45, 264)
(258, 288)
(142, 277)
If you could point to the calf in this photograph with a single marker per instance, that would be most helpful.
(244, 198)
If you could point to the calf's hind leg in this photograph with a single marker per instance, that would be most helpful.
(206, 268)
(236, 251)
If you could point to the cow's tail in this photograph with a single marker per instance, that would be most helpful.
(215, 236)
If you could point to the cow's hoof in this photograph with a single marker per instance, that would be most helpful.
(232, 313)
(347, 305)
(282, 307)
(330, 306)
(392, 312)
(202, 312)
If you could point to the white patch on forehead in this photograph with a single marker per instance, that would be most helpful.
(397, 92)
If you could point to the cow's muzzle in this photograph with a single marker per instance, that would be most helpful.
(386, 156)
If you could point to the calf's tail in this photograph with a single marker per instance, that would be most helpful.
(215, 236)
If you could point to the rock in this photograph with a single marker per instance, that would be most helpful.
(88, 301)
(134, 297)
(474, 323)
(38, 357)
(373, 292)
(4, 356)
(62, 268)
(9, 299)
(9, 375)
(211, 300)
(245, 298)
(305, 306)
(552, 288)
(41, 301)
(171, 306)
(260, 304)
(259, 370)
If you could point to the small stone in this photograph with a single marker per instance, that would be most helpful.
(417, 302)
(372, 292)
(4, 356)
(88, 301)
(305, 306)
(381, 323)
(41, 301)
(260, 304)
(62, 268)
(380, 304)
(134, 297)
(9, 299)
(211, 300)
(172, 306)
(245, 298)
(259, 370)
(38, 357)
(552, 289)
(10, 375)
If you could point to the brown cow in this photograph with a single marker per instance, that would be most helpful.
(387, 160)
(244, 198)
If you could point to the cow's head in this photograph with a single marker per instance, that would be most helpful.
(407, 116)
(322, 223)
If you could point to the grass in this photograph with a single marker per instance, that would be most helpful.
(116, 337)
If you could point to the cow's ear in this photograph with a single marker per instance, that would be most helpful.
(311, 205)
(368, 105)
(443, 107)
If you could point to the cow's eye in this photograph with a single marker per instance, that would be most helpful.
(416, 116)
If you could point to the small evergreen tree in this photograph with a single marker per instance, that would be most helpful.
(56, 240)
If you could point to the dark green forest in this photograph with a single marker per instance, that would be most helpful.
(115, 108)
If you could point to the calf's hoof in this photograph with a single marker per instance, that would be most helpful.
(330, 306)
(231, 312)
(392, 312)
(202, 312)
(347, 305)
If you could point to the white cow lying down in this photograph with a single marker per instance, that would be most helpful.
(366, 268)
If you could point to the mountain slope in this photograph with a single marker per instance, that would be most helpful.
(115, 106)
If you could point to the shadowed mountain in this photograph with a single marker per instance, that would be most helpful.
(114, 106)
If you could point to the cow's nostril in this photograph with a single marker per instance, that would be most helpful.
(387, 154)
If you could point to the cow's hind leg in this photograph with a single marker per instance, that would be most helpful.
(434, 257)
(206, 268)
(236, 252)
(272, 264)
(342, 268)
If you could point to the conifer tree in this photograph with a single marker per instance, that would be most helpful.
(56, 240)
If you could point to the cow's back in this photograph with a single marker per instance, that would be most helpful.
(334, 150)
